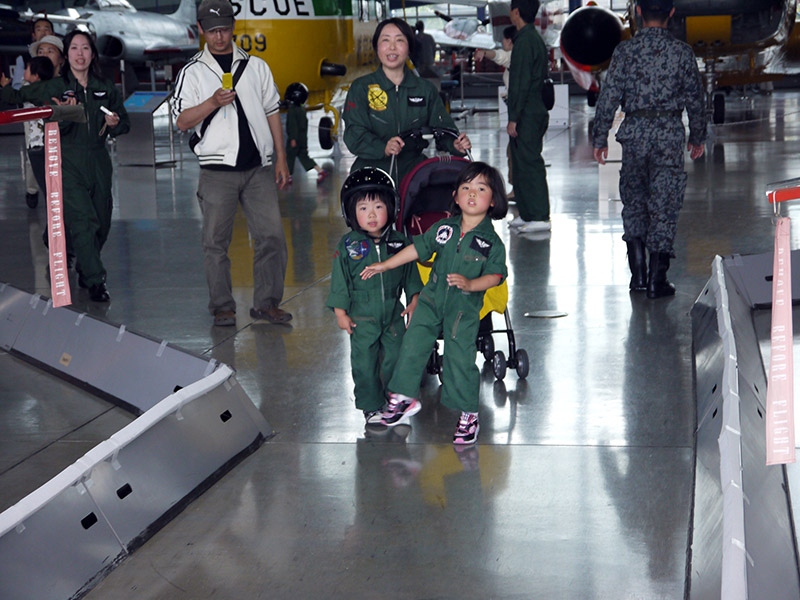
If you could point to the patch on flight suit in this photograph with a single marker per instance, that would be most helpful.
(443, 234)
(377, 97)
(481, 245)
(357, 250)
(416, 100)
(394, 247)
(100, 94)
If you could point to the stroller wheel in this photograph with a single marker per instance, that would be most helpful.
(487, 347)
(523, 365)
(499, 365)
(439, 362)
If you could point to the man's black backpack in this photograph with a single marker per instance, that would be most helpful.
(195, 139)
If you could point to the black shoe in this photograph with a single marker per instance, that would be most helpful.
(99, 293)
(32, 200)
(637, 261)
(657, 284)
(82, 282)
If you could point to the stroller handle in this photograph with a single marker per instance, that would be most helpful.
(427, 133)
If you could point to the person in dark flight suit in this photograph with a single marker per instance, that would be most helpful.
(381, 105)
(371, 310)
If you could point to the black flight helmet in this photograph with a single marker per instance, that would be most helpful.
(360, 183)
(296, 93)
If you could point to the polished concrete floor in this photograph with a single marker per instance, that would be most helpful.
(581, 485)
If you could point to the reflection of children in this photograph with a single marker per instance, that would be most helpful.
(371, 311)
(297, 131)
(470, 258)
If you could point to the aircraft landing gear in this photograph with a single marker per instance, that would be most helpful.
(326, 133)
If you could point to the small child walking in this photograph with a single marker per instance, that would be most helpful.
(371, 311)
(470, 259)
(297, 131)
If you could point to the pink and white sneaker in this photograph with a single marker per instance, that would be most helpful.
(467, 430)
(400, 409)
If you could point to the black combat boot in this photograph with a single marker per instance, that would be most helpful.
(657, 284)
(637, 260)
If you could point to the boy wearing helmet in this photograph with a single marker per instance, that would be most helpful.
(370, 310)
(297, 131)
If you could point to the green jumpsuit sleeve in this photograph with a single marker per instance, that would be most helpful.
(496, 263)
(424, 243)
(116, 105)
(39, 93)
(339, 295)
(359, 136)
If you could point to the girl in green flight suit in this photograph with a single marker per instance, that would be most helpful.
(470, 259)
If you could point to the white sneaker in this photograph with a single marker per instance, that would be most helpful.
(516, 222)
(533, 226)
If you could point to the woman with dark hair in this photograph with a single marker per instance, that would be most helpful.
(390, 101)
(86, 165)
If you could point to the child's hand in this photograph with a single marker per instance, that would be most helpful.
(4, 81)
(459, 281)
(412, 306)
(372, 269)
(344, 321)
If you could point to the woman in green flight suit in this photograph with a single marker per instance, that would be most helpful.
(390, 101)
(86, 170)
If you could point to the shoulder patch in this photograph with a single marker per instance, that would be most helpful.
(378, 100)
(356, 249)
(481, 245)
(443, 234)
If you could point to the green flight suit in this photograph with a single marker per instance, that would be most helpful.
(376, 110)
(528, 70)
(86, 166)
(297, 130)
(447, 311)
(374, 306)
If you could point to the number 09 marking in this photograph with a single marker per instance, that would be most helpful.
(246, 42)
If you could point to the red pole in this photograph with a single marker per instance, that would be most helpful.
(25, 114)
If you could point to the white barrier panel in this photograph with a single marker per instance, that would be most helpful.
(107, 358)
(61, 539)
(743, 540)
(58, 541)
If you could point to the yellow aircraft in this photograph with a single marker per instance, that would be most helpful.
(324, 44)
(739, 42)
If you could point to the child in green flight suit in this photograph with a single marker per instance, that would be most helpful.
(371, 311)
(297, 131)
(470, 259)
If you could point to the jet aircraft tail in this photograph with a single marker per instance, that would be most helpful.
(186, 13)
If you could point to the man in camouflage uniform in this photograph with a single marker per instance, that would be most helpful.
(653, 77)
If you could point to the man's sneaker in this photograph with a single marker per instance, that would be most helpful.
(534, 226)
(373, 417)
(516, 222)
(400, 409)
(467, 430)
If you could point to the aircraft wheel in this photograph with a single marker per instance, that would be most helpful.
(326, 133)
(499, 365)
(719, 108)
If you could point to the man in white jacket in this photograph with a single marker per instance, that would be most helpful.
(239, 142)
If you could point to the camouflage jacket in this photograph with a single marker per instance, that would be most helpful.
(652, 71)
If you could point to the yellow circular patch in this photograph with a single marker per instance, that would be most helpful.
(377, 97)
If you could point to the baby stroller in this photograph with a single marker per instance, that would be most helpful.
(425, 195)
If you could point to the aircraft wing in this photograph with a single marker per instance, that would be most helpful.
(477, 39)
